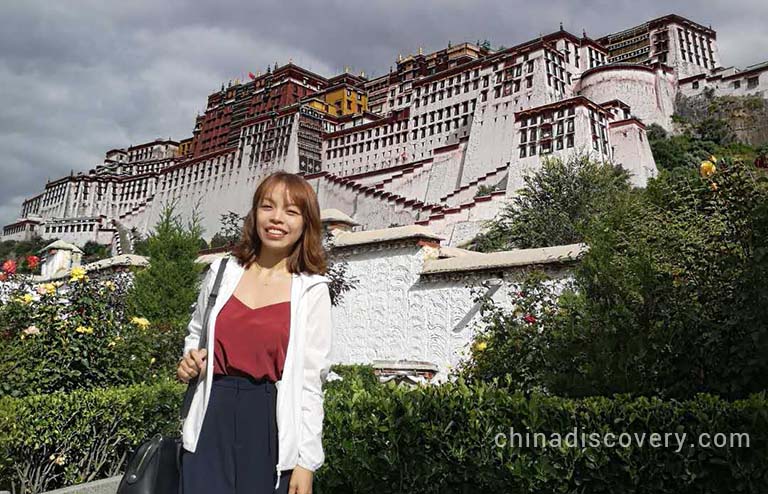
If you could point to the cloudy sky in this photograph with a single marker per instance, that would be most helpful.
(80, 77)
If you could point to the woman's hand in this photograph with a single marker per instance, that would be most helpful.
(191, 365)
(301, 481)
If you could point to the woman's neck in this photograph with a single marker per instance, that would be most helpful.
(272, 262)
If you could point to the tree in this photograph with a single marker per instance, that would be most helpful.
(165, 291)
(553, 204)
(94, 251)
(341, 281)
(231, 230)
(484, 190)
(679, 151)
(139, 243)
(715, 130)
(669, 300)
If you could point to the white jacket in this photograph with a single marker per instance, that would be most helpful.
(307, 362)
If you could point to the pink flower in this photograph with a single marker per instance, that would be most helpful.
(529, 319)
(9, 266)
(3, 276)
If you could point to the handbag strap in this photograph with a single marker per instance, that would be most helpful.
(204, 336)
(211, 301)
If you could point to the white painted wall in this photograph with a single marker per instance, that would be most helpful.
(650, 94)
(394, 314)
(632, 150)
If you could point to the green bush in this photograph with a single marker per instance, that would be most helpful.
(58, 439)
(423, 439)
(165, 291)
(710, 136)
(94, 251)
(19, 250)
(441, 439)
(61, 338)
(670, 299)
(362, 374)
(515, 343)
(553, 205)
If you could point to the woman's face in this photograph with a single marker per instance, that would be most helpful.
(279, 224)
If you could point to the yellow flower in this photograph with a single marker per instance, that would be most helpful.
(26, 298)
(110, 286)
(141, 322)
(46, 289)
(58, 459)
(707, 168)
(77, 273)
(84, 330)
(481, 346)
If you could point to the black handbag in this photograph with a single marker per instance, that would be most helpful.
(155, 467)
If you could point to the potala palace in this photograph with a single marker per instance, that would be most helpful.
(409, 147)
(398, 163)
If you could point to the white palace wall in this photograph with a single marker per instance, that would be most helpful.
(649, 93)
(632, 151)
(397, 313)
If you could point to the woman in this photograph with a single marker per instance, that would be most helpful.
(257, 414)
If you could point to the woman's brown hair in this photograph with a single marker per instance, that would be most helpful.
(308, 254)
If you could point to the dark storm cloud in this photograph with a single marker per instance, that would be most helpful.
(80, 77)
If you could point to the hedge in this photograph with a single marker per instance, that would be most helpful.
(59, 439)
(423, 439)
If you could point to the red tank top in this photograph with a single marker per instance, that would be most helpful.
(252, 342)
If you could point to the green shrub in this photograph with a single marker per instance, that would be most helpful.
(710, 136)
(52, 440)
(362, 374)
(165, 291)
(94, 251)
(426, 439)
(553, 205)
(515, 343)
(672, 302)
(58, 338)
(669, 300)
(422, 439)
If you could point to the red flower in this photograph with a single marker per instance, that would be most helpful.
(33, 261)
(9, 266)
(529, 319)
(3, 276)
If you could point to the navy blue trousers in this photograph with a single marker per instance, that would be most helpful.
(237, 449)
